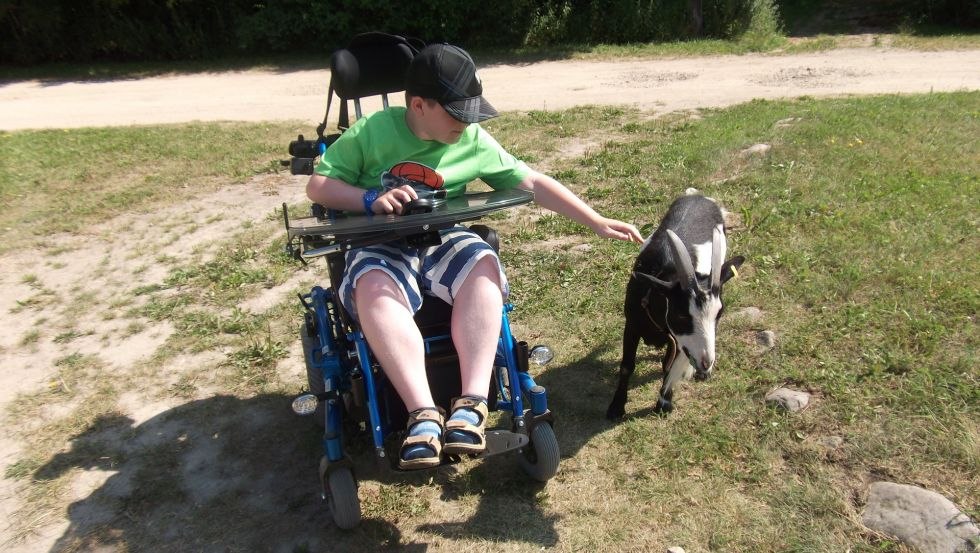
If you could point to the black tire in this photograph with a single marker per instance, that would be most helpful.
(345, 507)
(313, 377)
(540, 458)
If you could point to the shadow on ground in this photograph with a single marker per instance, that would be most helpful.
(579, 393)
(230, 474)
(219, 474)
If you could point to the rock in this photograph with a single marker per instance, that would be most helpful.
(582, 248)
(831, 442)
(920, 518)
(675, 549)
(733, 221)
(766, 339)
(790, 400)
(750, 314)
(691, 192)
(787, 122)
(756, 150)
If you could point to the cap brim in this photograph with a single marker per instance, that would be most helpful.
(470, 110)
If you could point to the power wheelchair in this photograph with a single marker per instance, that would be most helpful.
(348, 392)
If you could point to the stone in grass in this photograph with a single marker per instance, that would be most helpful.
(790, 400)
(766, 339)
(750, 314)
(675, 549)
(756, 150)
(920, 518)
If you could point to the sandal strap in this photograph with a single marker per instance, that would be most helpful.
(477, 406)
(428, 440)
(434, 414)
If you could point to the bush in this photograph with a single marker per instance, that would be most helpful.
(148, 30)
(763, 30)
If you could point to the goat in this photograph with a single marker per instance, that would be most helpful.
(673, 297)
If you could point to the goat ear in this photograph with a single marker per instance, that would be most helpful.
(654, 280)
(729, 269)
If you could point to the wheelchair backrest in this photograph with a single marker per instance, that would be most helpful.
(372, 64)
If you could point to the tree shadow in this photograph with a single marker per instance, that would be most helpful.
(221, 473)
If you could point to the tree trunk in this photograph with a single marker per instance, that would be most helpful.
(697, 17)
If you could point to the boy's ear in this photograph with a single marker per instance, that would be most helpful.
(414, 102)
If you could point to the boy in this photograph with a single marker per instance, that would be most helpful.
(384, 285)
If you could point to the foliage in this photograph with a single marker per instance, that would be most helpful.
(147, 30)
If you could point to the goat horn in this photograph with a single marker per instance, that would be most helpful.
(682, 261)
(718, 247)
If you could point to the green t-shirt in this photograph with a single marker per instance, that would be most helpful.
(377, 142)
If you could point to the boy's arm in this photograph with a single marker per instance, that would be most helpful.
(336, 194)
(553, 195)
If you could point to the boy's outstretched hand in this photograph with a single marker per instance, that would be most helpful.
(619, 230)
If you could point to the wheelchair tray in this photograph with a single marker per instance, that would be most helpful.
(347, 231)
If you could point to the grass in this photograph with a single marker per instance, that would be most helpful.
(860, 230)
(89, 174)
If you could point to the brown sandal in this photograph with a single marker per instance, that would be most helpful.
(432, 414)
(475, 431)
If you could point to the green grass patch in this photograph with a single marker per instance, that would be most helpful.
(88, 175)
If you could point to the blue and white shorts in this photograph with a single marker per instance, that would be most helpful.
(435, 271)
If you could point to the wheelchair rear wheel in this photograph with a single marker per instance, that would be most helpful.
(345, 507)
(540, 458)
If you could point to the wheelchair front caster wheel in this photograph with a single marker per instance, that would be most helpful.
(540, 457)
(342, 499)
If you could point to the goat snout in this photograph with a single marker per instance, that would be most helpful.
(702, 369)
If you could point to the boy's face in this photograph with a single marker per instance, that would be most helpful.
(437, 124)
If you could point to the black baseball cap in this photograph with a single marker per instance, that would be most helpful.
(447, 74)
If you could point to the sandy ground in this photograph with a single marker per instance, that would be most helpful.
(661, 85)
(103, 264)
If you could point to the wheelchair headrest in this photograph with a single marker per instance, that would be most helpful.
(372, 64)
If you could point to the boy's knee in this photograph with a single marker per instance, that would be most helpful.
(376, 284)
(487, 267)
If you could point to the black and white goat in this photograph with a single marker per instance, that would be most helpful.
(673, 297)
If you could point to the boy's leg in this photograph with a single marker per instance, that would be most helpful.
(387, 322)
(476, 331)
(476, 325)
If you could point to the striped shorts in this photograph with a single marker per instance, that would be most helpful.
(435, 271)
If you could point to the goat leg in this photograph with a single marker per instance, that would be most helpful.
(675, 367)
(631, 340)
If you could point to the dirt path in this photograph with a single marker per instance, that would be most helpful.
(101, 268)
(661, 85)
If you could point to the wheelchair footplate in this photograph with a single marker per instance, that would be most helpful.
(498, 442)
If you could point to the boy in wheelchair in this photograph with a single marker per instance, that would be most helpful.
(438, 133)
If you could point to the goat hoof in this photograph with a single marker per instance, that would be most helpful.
(615, 412)
(663, 407)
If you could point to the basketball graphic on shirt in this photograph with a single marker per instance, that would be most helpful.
(418, 173)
